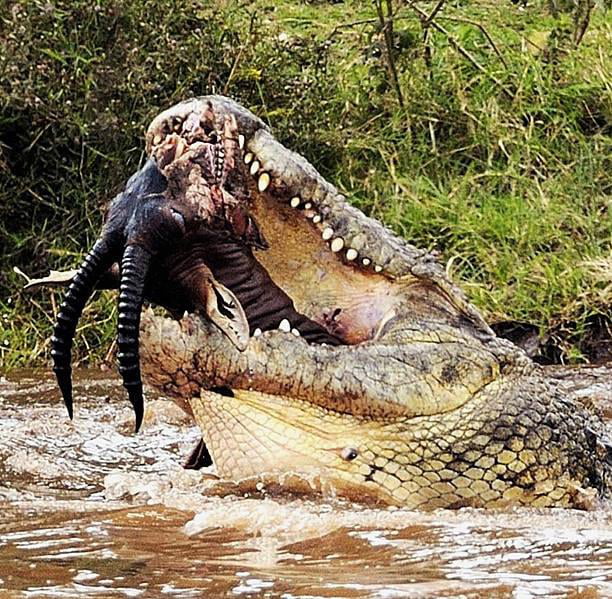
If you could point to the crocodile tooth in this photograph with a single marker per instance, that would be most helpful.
(351, 254)
(254, 167)
(295, 202)
(157, 139)
(179, 149)
(337, 244)
(284, 325)
(248, 157)
(241, 141)
(307, 206)
(295, 332)
(327, 234)
(257, 332)
(263, 182)
(378, 268)
(316, 218)
(366, 262)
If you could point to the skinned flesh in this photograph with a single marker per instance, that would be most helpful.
(402, 394)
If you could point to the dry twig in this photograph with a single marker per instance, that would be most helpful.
(582, 18)
(387, 30)
(460, 49)
(432, 15)
(484, 32)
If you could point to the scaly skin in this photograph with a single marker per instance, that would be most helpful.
(516, 440)
(421, 406)
(383, 381)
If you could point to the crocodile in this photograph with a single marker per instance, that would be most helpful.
(311, 343)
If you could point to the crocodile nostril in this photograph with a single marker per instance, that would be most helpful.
(177, 122)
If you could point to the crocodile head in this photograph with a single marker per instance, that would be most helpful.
(378, 378)
(181, 234)
(336, 350)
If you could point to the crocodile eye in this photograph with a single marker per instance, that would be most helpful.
(349, 454)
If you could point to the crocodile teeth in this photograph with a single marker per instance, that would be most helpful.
(248, 157)
(295, 202)
(284, 325)
(327, 234)
(295, 332)
(257, 332)
(366, 262)
(378, 268)
(254, 167)
(263, 182)
(241, 141)
(316, 218)
(179, 148)
(351, 254)
(337, 244)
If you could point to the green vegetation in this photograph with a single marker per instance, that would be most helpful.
(492, 147)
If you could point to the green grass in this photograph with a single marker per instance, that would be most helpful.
(502, 166)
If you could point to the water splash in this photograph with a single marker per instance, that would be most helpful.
(89, 509)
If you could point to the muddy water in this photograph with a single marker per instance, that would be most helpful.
(88, 509)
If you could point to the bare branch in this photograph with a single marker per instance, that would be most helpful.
(461, 50)
(337, 28)
(432, 15)
(582, 18)
(484, 32)
(425, 23)
(387, 30)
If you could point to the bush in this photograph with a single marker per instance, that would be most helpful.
(495, 152)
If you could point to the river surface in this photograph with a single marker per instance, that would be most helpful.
(88, 509)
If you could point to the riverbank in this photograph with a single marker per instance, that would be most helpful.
(482, 134)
